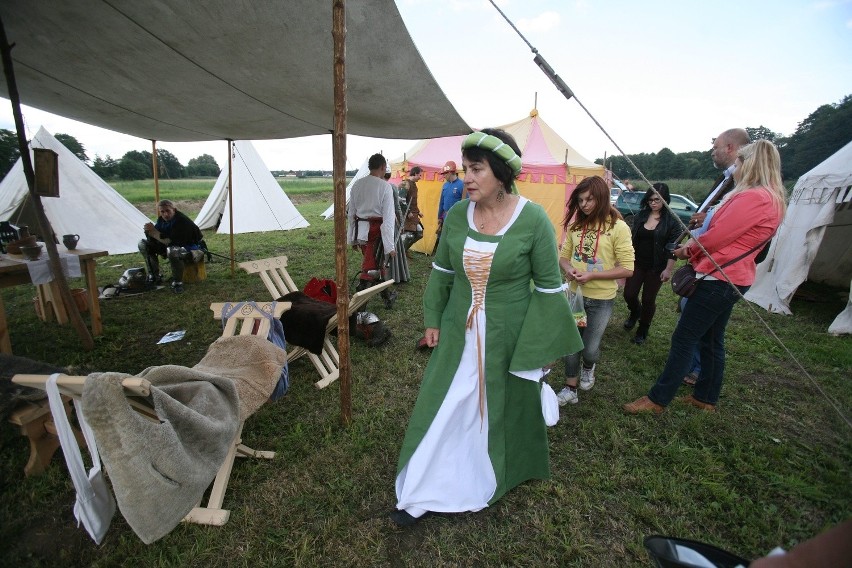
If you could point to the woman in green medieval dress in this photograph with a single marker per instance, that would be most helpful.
(496, 313)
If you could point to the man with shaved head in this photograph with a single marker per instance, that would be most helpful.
(724, 155)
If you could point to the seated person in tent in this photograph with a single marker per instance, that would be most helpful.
(173, 236)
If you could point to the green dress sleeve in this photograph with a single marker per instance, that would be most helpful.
(548, 331)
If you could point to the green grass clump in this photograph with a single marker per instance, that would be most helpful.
(771, 468)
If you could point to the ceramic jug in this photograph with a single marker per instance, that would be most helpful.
(70, 241)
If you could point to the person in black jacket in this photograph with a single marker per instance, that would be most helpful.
(173, 236)
(653, 228)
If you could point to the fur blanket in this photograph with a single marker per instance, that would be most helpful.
(305, 322)
(160, 470)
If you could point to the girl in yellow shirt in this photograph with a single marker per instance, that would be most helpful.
(597, 251)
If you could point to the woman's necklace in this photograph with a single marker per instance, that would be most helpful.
(499, 217)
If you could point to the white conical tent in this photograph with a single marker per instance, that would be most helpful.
(259, 202)
(364, 170)
(86, 206)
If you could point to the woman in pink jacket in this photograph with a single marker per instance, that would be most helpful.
(747, 217)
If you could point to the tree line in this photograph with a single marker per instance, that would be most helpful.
(822, 133)
(133, 165)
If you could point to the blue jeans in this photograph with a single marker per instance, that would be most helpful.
(696, 354)
(702, 323)
(598, 313)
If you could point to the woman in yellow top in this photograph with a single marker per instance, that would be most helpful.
(598, 250)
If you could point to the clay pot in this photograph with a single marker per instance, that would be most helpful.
(31, 252)
(15, 246)
(70, 241)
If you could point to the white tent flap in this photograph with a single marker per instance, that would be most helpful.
(259, 202)
(813, 242)
(86, 206)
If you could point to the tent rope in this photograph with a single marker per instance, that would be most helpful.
(568, 93)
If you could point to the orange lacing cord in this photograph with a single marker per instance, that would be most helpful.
(477, 266)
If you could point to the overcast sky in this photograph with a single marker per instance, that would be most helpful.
(654, 74)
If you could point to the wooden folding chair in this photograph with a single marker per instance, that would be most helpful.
(248, 321)
(273, 273)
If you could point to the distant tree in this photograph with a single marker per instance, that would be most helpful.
(665, 166)
(9, 150)
(106, 168)
(203, 166)
(129, 169)
(142, 168)
(74, 145)
(168, 166)
(822, 133)
(762, 133)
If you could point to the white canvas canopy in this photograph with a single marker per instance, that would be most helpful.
(364, 170)
(814, 241)
(259, 202)
(87, 205)
(181, 71)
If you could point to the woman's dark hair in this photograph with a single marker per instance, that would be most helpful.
(661, 188)
(604, 213)
(501, 169)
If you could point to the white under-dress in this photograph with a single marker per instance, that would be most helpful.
(451, 471)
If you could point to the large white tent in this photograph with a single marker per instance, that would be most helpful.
(259, 203)
(814, 241)
(87, 205)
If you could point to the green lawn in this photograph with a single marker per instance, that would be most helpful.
(771, 468)
(142, 191)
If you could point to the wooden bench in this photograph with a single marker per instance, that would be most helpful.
(36, 423)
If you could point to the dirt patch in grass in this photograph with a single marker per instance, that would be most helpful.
(775, 381)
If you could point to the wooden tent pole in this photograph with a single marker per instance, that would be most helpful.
(338, 146)
(231, 201)
(45, 229)
(156, 171)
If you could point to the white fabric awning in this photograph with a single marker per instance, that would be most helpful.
(179, 71)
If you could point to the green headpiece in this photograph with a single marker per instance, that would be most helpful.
(495, 145)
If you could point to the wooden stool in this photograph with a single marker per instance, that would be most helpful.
(195, 272)
(36, 424)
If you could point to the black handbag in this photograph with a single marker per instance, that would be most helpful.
(685, 280)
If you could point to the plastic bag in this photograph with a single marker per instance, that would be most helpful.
(549, 405)
(575, 300)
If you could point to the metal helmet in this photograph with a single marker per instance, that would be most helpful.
(133, 279)
(366, 318)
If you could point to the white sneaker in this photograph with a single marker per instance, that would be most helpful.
(566, 396)
(587, 378)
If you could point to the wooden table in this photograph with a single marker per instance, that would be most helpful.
(14, 272)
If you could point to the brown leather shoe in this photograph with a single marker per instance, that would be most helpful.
(643, 404)
(691, 400)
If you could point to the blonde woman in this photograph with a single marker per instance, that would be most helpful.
(744, 221)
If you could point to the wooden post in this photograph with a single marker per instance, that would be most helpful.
(231, 201)
(44, 224)
(338, 32)
(156, 171)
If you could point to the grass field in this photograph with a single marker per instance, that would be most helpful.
(771, 468)
(139, 192)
